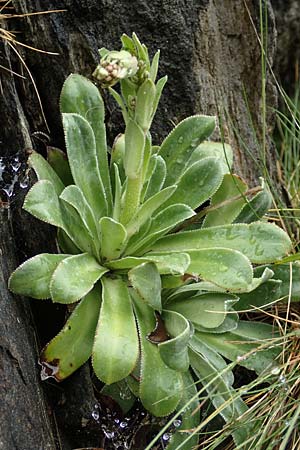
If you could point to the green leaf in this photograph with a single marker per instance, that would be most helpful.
(230, 323)
(157, 178)
(259, 241)
(120, 102)
(174, 352)
(165, 263)
(255, 208)
(72, 347)
(207, 310)
(193, 288)
(113, 237)
(128, 90)
(183, 292)
(118, 152)
(142, 51)
(32, 278)
(82, 154)
(266, 275)
(116, 346)
(218, 150)
(214, 376)
(65, 244)
(131, 198)
(232, 186)
(169, 218)
(198, 183)
(42, 202)
(161, 224)
(159, 88)
(146, 162)
(172, 281)
(103, 52)
(178, 146)
(144, 104)
(132, 380)
(222, 396)
(128, 44)
(81, 96)
(136, 239)
(226, 268)
(118, 191)
(151, 163)
(145, 279)
(58, 160)
(263, 295)
(242, 345)
(213, 357)
(289, 275)
(74, 197)
(154, 66)
(134, 149)
(44, 171)
(160, 386)
(183, 439)
(120, 393)
(148, 208)
(76, 230)
(292, 258)
(74, 277)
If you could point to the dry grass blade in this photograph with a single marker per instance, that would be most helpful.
(12, 72)
(34, 85)
(10, 38)
(11, 16)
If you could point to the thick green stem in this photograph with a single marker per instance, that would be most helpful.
(131, 199)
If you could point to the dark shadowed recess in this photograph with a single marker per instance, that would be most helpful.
(287, 15)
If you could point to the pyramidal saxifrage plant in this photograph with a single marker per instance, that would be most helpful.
(156, 279)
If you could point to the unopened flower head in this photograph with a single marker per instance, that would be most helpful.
(115, 66)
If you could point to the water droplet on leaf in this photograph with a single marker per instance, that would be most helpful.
(109, 435)
(177, 423)
(167, 436)
(275, 371)
(252, 240)
(259, 251)
(24, 183)
(16, 167)
(95, 415)
(282, 379)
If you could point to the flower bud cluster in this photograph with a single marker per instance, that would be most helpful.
(142, 74)
(115, 66)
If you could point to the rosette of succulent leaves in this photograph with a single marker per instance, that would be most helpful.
(157, 278)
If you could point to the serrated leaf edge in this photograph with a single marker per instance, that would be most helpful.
(20, 267)
(86, 292)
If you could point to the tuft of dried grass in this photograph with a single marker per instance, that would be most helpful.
(7, 12)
